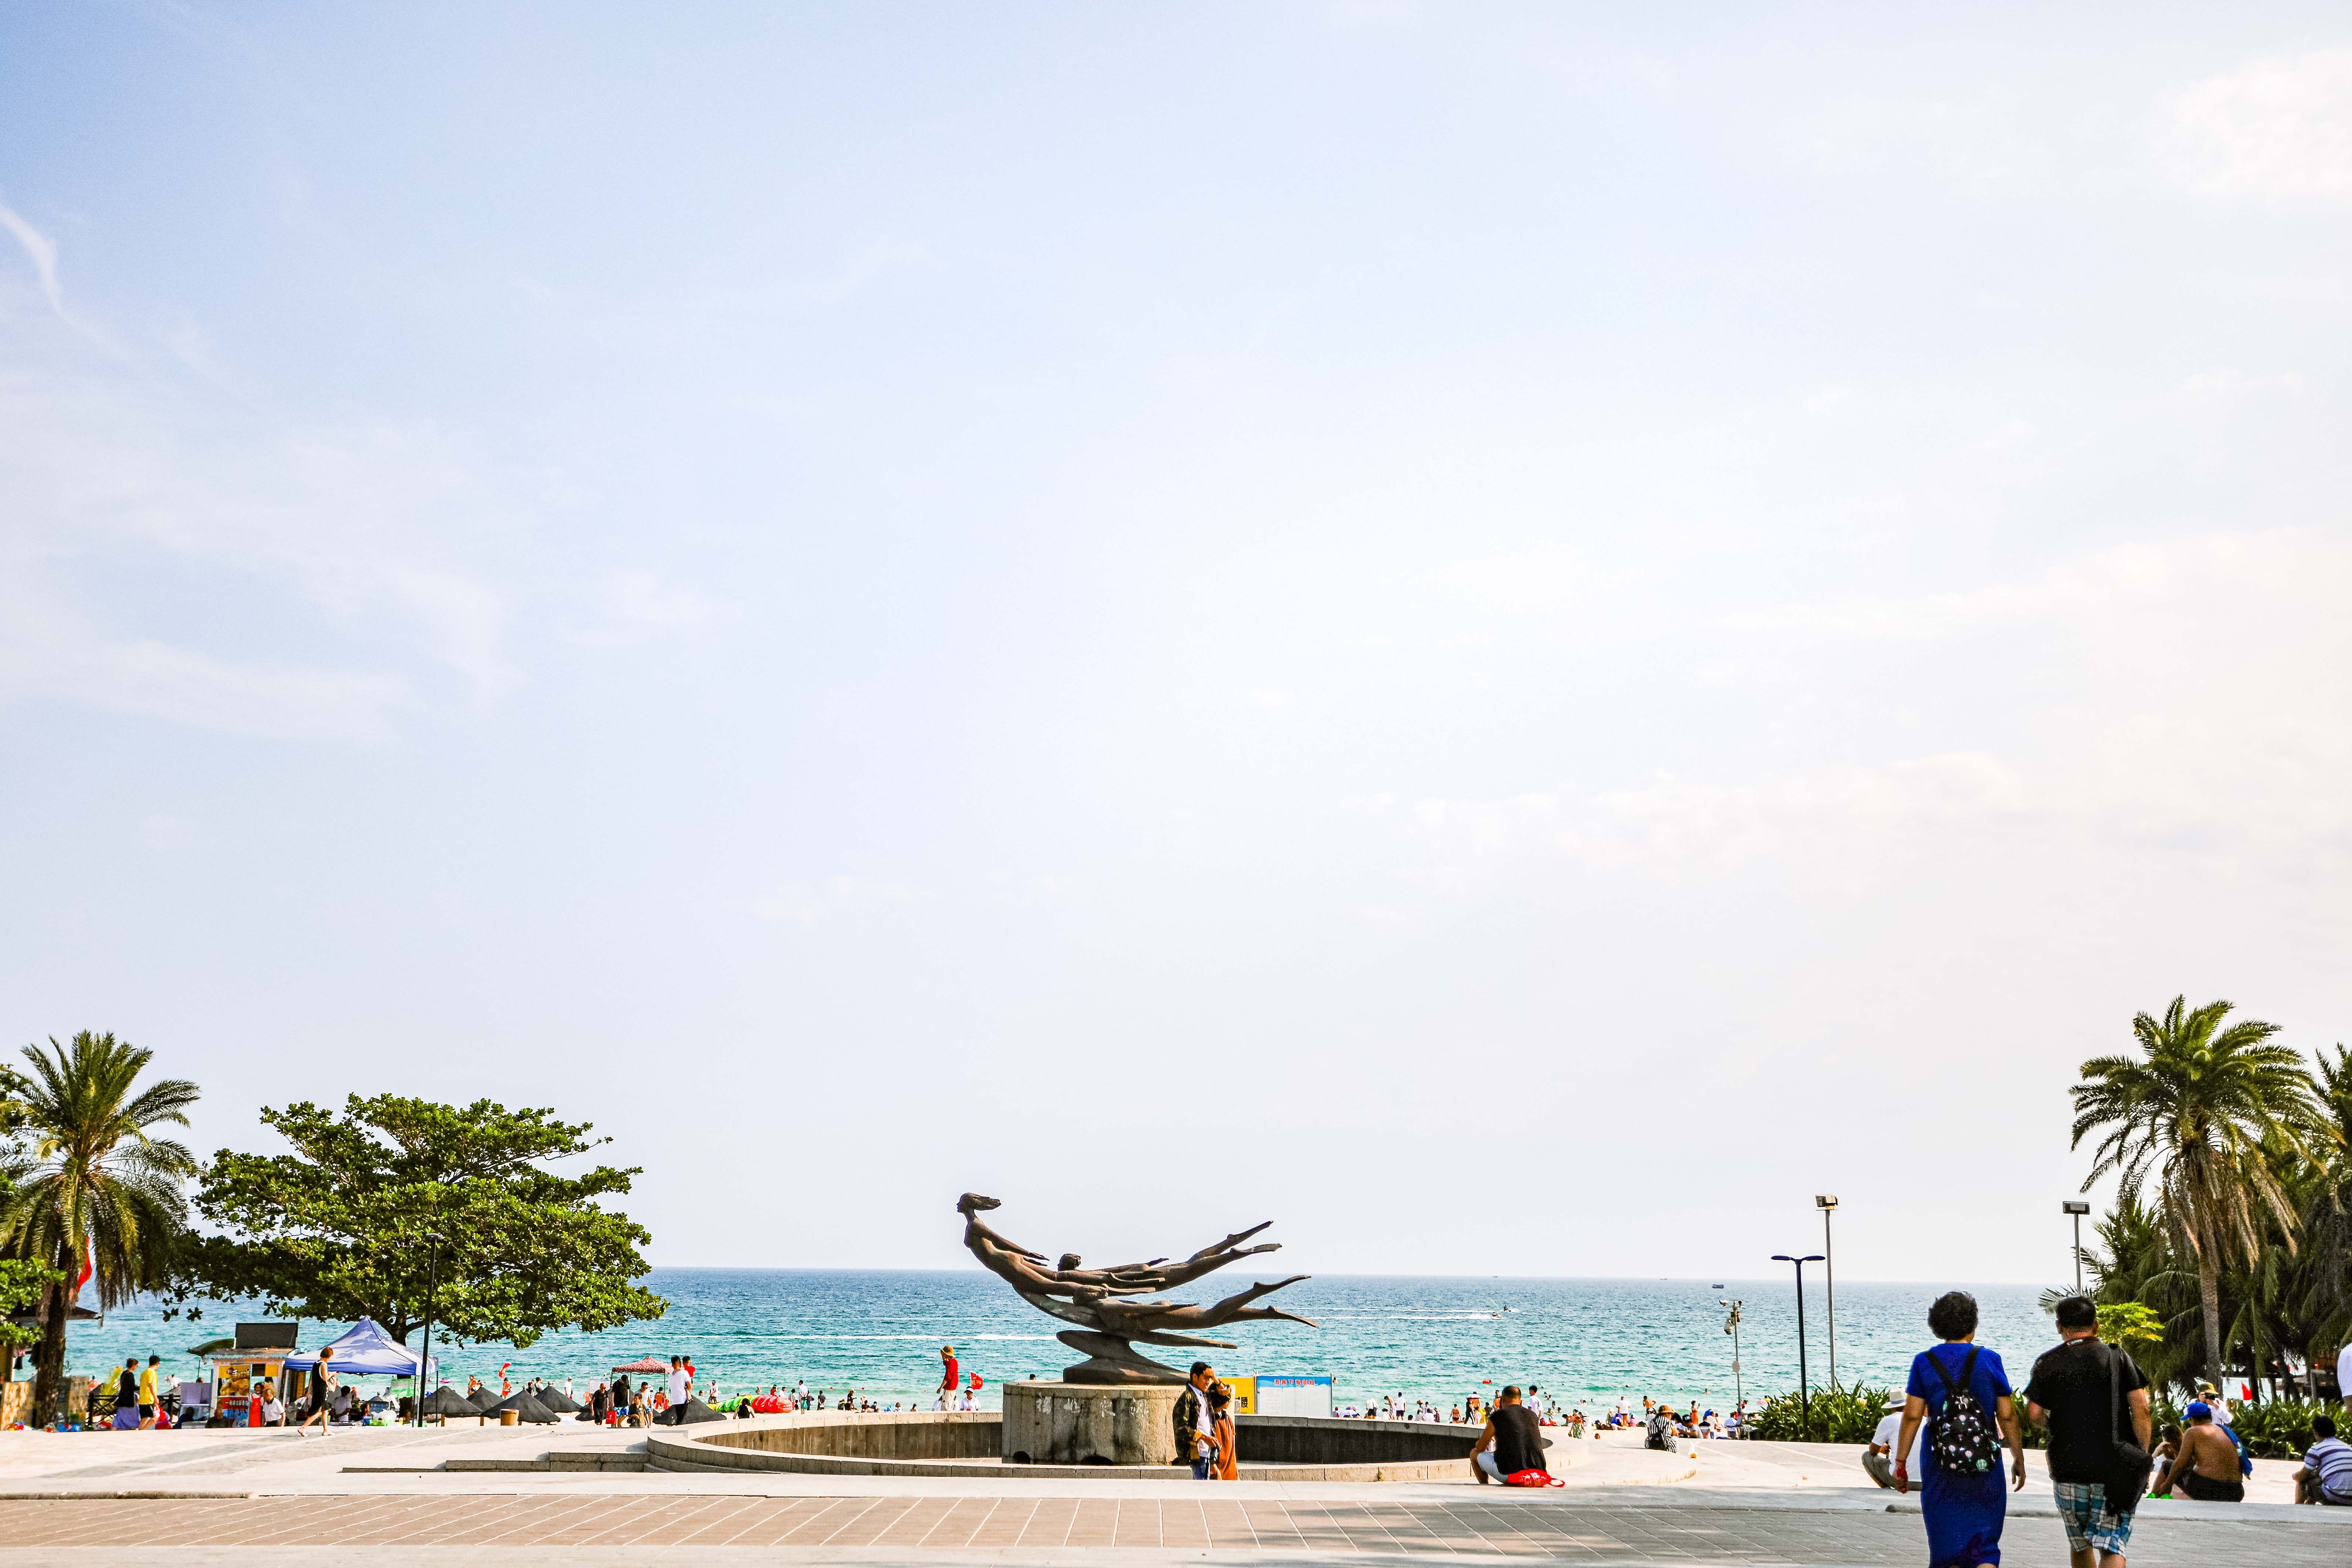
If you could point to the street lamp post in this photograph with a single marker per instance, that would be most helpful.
(1825, 1202)
(2078, 1209)
(1804, 1389)
(1731, 1327)
(424, 1356)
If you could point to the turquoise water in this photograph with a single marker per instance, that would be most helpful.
(880, 1332)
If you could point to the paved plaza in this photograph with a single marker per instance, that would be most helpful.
(233, 1500)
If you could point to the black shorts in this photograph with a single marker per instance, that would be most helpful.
(2202, 1490)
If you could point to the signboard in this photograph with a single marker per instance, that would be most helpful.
(1244, 1395)
(1292, 1395)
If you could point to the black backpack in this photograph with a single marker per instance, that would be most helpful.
(1962, 1439)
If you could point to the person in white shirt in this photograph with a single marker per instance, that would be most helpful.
(1879, 1457)
(679, 1383)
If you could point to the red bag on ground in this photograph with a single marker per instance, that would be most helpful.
(1532, 1479)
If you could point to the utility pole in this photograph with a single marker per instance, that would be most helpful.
(1731, 1327)
(2078, 1209)
(1825, 1202)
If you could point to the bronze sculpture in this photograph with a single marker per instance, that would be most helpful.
(1100, 1300)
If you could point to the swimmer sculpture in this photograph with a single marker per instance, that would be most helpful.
(1101, 1300)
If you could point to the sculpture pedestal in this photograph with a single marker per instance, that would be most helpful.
(1078, 1424)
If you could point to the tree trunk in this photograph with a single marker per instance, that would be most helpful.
(49, 1365)
(2209, 1300)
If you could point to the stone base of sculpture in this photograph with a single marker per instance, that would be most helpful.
(1090, 1424)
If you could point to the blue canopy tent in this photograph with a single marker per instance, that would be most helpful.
(364, 1350)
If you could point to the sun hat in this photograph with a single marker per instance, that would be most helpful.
(1897, 1403)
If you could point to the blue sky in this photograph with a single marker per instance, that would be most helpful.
(1183, 615)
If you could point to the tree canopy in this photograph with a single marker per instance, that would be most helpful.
(341, 1227)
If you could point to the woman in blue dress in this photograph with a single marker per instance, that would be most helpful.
(1964, 1508)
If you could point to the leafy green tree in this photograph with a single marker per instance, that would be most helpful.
(21, 1284)
(2200, 1111)
(93, 1179)
(340, 1227)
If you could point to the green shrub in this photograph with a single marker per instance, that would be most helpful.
(1840, 1414)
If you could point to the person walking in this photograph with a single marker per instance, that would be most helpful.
(1227, 1466)
(1960, 1390)
(1195, 1423)
(948, 1378)
(2089, 1397)
(323, 1392)
(126, 1397)
(149, 1400)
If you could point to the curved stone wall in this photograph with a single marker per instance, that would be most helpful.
(1274, 1448)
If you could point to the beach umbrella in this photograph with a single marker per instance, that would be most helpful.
(650, 1366)
(693, 1410)
(447, 1402)
(484, 1400)
(556, 1399)
(527, 1409)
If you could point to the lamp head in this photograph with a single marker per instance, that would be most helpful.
(1825, 1200)
(2073, 1205)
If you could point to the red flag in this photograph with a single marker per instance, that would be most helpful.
(88, 1267)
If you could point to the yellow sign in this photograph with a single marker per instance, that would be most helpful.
(1244, 1395)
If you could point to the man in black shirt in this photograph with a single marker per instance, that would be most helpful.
(1512, 1441)
(2089, 1397)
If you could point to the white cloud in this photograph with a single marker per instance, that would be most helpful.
(43, 250)
(635, 606)
(2279, 127)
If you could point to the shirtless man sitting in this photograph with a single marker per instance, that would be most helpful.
(2207, 1469)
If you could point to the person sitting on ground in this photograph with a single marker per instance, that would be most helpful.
(1511, 1442)
(2163, 1456)
(1659, 1430)
(2207, 1469)
(2326, 1474)
(1878, 1459)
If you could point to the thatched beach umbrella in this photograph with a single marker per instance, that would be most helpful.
(484, 1400)
(692, 1410)
(447, 1402)
(527, 1410)
(556, 1399)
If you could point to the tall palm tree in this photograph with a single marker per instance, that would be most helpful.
(2194, 1110)
(94, 1179)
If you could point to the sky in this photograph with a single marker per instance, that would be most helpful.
(1513, 636)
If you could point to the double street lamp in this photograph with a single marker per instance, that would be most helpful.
(1805, 1388)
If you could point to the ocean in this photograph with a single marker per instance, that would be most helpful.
(879, 1332)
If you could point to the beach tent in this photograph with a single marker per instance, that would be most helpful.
(364, 1351)
(527, 1410)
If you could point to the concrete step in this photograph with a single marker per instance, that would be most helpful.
(617, 1459)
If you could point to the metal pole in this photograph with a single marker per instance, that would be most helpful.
(1804, 1379)
(2077, 1208)
(424, 1356)
(1828, 1201)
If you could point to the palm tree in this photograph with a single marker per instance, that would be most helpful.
(93, 1178)
(2195, 1110)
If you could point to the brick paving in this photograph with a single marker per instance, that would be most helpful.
(1578, 1531)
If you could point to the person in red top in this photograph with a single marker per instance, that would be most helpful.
(949, 1380)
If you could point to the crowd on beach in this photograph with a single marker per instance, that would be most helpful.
(1656, 1418)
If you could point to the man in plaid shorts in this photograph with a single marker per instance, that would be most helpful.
(2072, 1394)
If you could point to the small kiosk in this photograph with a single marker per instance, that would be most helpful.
(248, 1364)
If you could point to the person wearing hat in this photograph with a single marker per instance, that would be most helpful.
(1879, 1457)
(2207, 1470)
